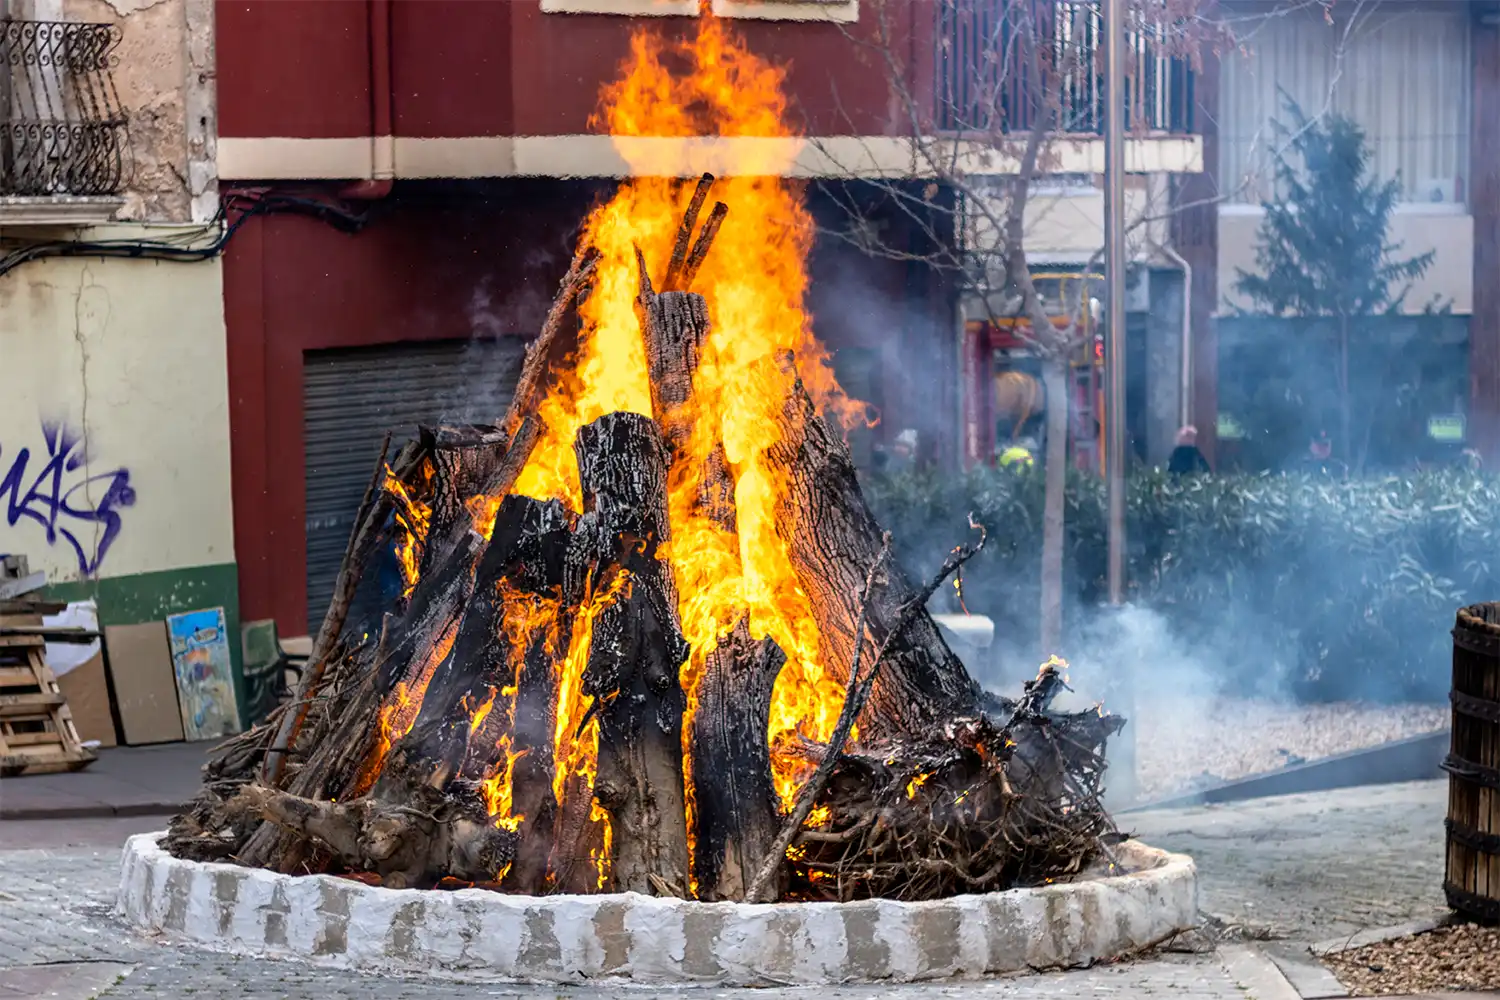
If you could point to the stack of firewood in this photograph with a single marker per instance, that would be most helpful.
(421, 748)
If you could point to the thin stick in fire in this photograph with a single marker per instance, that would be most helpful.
(855, 696)
(685, 236)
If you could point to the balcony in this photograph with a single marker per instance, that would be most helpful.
(63, 139)
(991, 53)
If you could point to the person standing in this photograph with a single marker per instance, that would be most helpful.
(1186, 459)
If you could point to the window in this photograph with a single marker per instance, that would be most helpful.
(769, 10)
(1402, 75)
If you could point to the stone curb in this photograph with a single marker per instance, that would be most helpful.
(571, 939)
(100, 810)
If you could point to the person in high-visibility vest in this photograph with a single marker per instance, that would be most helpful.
(1018, 455)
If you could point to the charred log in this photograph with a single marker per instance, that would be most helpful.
(833, 538)
(636, 652)
(464, 458)
(675, 326)
(736, 802)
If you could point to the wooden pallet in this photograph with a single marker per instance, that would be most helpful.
(37, 735)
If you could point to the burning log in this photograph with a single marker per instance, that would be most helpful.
(833, 538)
(637, 650)
(732, 787)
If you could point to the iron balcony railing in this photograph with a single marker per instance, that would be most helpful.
(63, 130)
(986, 84)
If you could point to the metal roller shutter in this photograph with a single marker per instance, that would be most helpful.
(351, 397)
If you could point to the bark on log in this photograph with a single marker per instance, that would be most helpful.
(737, 816)
(464, 458)
(403, 843)
(374, 509)
(344, 764)
(524, 555)
(675, 327)
(833, 538)
(636, 652)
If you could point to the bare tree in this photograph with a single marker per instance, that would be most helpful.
(1018, 79)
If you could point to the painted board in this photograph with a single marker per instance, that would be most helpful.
(140, 661)
(205, 678)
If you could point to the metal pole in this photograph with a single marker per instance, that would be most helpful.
(1114, 274)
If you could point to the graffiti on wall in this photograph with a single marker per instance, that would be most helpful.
(51, 487)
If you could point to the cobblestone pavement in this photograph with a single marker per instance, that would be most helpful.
(1308, 867)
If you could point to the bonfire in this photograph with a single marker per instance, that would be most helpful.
(652, 638)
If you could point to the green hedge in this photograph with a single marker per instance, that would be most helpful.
(1330, 589)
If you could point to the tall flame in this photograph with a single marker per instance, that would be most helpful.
(756, 280)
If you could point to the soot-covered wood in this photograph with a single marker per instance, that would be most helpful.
(636, 652)
(675, 328)
(524, 556)
(732, 788)
(833, 538)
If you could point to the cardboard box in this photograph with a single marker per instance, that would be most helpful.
(87, 689)
(140, 660)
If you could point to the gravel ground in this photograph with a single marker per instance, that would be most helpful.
(1182, 743)
(1463, 957)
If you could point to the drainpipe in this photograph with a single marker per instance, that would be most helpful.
(382, 140)
(1185, 372)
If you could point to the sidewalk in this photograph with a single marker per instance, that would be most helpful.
(124, 781)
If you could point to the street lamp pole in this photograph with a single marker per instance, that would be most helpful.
(1114, 274)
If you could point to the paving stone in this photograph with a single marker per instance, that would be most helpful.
(1313, 867)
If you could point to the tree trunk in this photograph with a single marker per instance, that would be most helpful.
(636, 652)
(1054, 503)
(737, 815)
(833, 539)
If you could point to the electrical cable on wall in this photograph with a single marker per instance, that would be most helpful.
(181, 249)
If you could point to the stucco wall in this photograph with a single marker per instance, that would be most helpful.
(112, 380)
(1419, 228)
(164, 73)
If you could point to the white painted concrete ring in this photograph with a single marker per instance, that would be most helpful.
(476, 934)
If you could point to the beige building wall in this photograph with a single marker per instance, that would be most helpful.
(126, 361)
(1446, 230)
(114, 423)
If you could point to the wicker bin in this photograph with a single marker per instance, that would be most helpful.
(1472, 881)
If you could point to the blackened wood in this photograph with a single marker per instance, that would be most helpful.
(529, 537)
(679, 260)
(675, 327)
(374, 508)
(636, 652)
(464, 458)
(532, 725)
(346, 761)
(737, 817)
(705, 243)
(833, 539)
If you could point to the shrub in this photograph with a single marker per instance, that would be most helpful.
(1337, 589)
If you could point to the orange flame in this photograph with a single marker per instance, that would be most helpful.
(524, 617)
(413, 518)
(756, 279)
(575, 746)
(399, 713)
